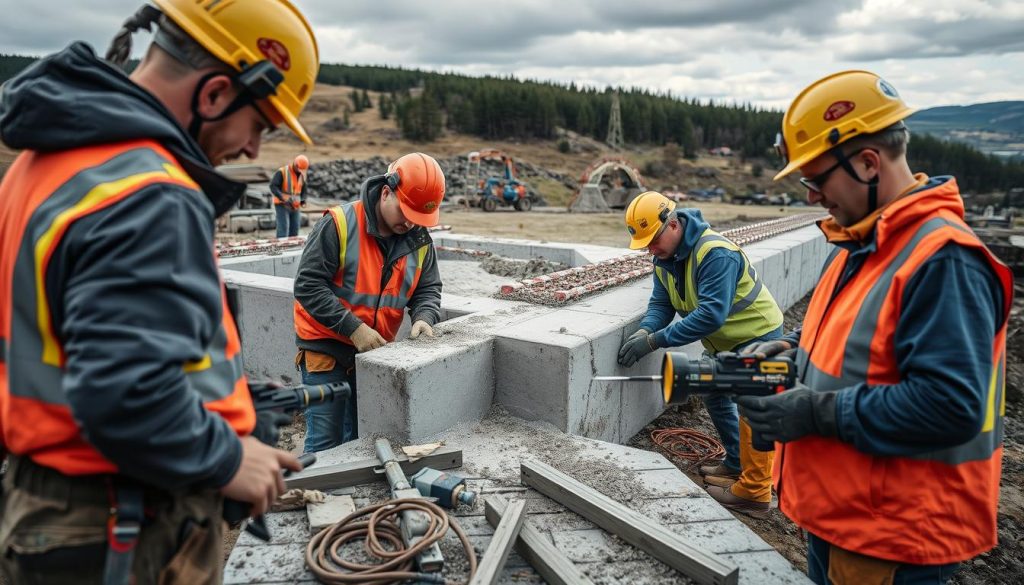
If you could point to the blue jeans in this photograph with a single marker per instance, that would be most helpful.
(817, 567)
(288, 220)
(331, 423)
(726, 417)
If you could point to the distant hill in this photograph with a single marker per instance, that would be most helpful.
(993, 128)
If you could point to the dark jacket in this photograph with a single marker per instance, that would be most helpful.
(717, 278)
(149, 300)
(320, 263)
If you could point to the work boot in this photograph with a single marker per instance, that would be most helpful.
(719, 480)
(720, 470)
(728, 500)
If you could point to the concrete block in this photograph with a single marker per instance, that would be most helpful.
(757, 568)
(697, 506)
(266, 325)
(332, 510)
(289, 526)
(629, 301)
(254, 564)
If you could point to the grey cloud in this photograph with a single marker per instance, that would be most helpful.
(922, 40)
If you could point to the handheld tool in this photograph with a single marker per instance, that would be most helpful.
(414, 524)
(725, 373)
(448, 488)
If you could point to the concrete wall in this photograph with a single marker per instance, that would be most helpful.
(536, 361)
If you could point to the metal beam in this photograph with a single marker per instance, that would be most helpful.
(633, 527)
(555, 567)
(369, 470)
(501, 545)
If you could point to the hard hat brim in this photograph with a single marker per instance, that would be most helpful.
(419, 218)
(641, 243)
(289, 120)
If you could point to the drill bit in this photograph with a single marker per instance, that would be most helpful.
(655, 378)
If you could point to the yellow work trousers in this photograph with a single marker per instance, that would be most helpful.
(755, 481)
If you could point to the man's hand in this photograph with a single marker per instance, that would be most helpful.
(636, 346)
(790, 415)
(258, 480)
(366, 338)
(421, 327)
(766, 349)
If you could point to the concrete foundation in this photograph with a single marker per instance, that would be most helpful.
(536, 361)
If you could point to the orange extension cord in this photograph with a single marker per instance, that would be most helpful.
(689, 445)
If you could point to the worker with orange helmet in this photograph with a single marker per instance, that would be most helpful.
(124, 411)
(890, 447)
(365, 263)
(288, 188)
(711, 285)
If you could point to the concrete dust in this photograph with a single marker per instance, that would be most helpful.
(516, 269)
(468, 278)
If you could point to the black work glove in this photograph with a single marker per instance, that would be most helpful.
(790, 415)
(767, 349)
(268, 426)
(636, 346)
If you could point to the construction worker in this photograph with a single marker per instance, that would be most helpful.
(364, 263)
(288, 186)
(709, 282)
(889, 450)
(124, 412)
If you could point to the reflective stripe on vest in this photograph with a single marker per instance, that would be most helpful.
(291, 185)
(754, 311)
(357, 283)
(41, 197)
(933, 508)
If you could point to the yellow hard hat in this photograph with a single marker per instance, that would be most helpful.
(833, 110)
(268, 41)
(644, 217)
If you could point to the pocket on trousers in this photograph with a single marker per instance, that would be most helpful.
(50, 536)
(192, 563)
(319, 362)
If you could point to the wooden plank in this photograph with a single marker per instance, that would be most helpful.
(501, 544)
(538, 550)
(365, 471)
(633, 527)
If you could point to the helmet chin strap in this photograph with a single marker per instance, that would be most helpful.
(872, 183)
(244, 98)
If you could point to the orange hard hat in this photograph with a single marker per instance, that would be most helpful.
(418, 182)
(301, 162)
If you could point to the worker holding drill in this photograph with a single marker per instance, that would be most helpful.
(364, 264)
(288, 187)
(708, 281)
(124, 412)
(890, 448)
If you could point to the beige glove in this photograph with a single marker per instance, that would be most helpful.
(365, 338)
(421, 327)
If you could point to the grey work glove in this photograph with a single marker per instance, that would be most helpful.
(421, 327)
(766, 349)
(366, 338)
(268, 426)
(636, 346)
(790, 415)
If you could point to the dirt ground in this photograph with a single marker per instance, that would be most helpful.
(1003, 564)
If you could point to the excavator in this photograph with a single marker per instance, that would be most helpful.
(493, 191)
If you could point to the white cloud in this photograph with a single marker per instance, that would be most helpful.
(935, 52)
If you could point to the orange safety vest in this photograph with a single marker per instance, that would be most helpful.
(42, 195)
(291, 185)
(358, 282)
(935, 508)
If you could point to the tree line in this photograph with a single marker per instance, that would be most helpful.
(425, 104)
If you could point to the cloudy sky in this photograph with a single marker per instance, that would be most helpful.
(936, 52)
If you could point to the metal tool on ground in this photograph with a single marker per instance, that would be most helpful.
(448, 488)
(415, 525)
(286, 399)
(725, 373)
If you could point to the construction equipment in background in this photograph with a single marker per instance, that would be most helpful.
(609, 183)
(488, 193)
(724, 373)
(415, 525)
(448, 488)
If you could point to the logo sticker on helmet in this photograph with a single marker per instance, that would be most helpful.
(887, 90)
(838, 110)
(429, 206)
(275, 52)
(643, 222)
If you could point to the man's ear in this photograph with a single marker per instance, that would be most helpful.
(871, 159)
(215, 96)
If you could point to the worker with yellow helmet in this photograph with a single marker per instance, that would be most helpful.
(890, 447)
(708, 281)
(125, 415)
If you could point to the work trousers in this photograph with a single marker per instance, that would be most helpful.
(828, 564)
(54, 530)
(331, 423)
(288, 220)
